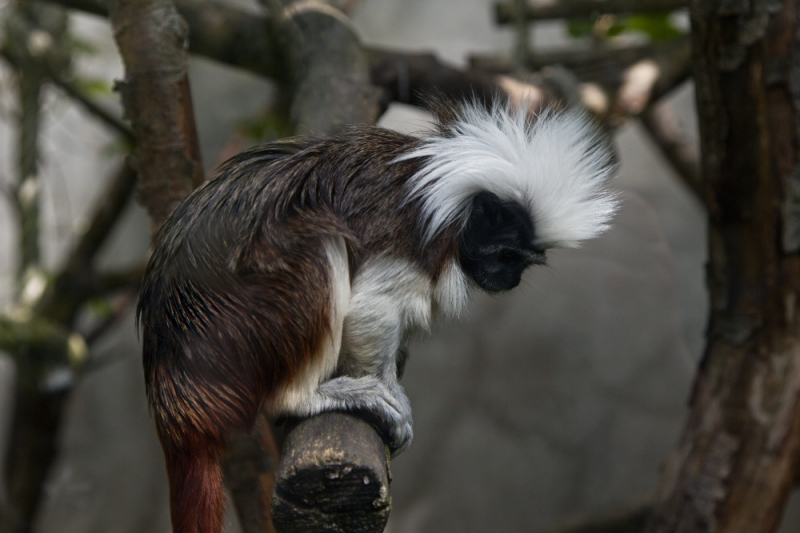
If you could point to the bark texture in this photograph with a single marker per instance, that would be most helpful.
(737, 460)
(326, 70)
(333, 478)
(153, 40)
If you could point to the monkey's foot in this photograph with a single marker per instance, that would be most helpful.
(385, 406)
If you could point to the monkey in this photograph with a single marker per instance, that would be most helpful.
(292, 279)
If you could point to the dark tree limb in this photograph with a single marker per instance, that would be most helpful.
(615, 82)
(152, 39)
(40, 349)
(69, 88)
(46, 357)
(737, 460)
(410, 78)
(505, 12)
(219, 32)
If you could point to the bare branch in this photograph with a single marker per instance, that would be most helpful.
(46, 356)
(683, 156)
(572, 9)
(410, 78)
(626, 79)
(239, 39)
(121, 305)
(76, 94)
(328, 72)
(23, 25)
(330, 83)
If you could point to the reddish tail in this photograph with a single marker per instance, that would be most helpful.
(197, 500)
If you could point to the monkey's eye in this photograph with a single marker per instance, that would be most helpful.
(507, 254)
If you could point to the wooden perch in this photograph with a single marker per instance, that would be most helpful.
(334, 478)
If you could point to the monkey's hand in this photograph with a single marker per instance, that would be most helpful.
(386, 405)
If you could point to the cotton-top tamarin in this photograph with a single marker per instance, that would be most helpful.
(290, 280)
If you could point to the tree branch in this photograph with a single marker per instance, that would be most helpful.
(250, 467)
(505, 12)
(76, 94)
(151, 37)
(625, 80)
(683, 156)
(46, 357)
(239, 39)
(410, 78)
(328, 72)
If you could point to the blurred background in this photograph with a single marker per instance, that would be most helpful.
(548, 406)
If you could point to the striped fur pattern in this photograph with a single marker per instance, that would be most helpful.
(290, 281)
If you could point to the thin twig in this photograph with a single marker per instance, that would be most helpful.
(76, 94)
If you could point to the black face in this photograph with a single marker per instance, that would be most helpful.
(498, 243)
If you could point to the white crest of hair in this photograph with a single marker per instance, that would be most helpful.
(556, 167)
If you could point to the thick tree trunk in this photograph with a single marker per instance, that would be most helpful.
(737, 460)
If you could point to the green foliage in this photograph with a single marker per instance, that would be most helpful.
(100, 308)
(655, 26)
(93, 86)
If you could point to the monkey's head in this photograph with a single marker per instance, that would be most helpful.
(513, 187)
(498, 243)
